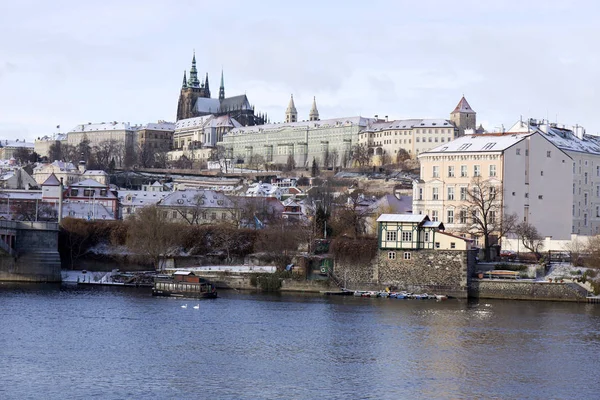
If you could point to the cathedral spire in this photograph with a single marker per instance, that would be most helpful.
(193, 81)
(184, 85)
(222, 88)
(206, 88)
(291, 114)
(314, 113)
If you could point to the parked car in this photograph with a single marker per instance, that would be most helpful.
(508, 255)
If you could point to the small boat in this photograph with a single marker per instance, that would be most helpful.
(440, 297)
(184, 284)
(383, 294)
(358, 293)
(400, 296)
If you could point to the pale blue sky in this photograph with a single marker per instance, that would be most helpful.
(70, 62)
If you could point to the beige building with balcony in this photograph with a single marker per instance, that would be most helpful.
(531, 175)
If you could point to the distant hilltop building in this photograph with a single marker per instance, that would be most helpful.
(195, 101)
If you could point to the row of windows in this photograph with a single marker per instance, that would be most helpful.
(464, 193)
(464, 171)
(462, 217)
(392, 236)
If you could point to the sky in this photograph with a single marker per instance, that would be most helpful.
(70, 62)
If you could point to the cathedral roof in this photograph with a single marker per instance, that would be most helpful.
(207, 106)
(463, 107)
(235, 103)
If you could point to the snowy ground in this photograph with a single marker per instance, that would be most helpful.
(69, 276)
(103, 278)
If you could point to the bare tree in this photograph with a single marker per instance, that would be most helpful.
(194, 212)
(530, 238)
(219, 154)
(256, 161)
(346, 158)
(350, 215)
(592, 250)
(334, 157)
(152, 235)
(360, 154)
(386, 159)
(402, 156)
(576, 249)
(488, 220)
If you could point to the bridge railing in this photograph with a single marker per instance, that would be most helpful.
(34, 225)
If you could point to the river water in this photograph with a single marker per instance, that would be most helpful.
(62, 342)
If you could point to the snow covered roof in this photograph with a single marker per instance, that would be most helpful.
(89, 183)
(140, 197)
(16, 143)
(206, 121)
(22, 194)
(408, 124)
(480, 143)
(325, 123)
(61, 165)
(51, 181)
(95, 172)
(564, 138)
(196, 198)
(160, 126)
(95, 210)
(103, 126)
(410, 218)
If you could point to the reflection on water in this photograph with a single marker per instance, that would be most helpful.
(123, 343)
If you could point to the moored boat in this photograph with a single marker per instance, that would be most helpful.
(184, 284)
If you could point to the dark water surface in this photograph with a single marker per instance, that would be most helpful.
(121, 343)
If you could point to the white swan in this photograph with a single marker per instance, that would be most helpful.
(197, 307)
(184, 306)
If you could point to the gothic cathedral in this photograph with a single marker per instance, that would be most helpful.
(195, 101)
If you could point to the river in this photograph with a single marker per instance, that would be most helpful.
(62, 342)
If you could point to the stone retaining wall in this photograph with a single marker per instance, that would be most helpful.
(526, 290)
(444, 272)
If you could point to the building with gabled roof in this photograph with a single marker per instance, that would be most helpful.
(528, 174)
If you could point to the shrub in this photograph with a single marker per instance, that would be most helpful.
(511, 267)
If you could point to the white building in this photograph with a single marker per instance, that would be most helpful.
(531, 174)
(584, 178)
(122, 134)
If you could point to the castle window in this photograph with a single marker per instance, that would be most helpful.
(406, 255)
(391, 255)
(452, 245)
(391, 236)
(406, 236)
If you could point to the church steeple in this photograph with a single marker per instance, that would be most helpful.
(193, 81)
(291, 114)
(314, 113)
(206, 88)
(184, 85)
(222, 88)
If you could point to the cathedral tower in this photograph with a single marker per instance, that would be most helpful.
(191, 90)
(314, 113)
(291, 114)
(464, 117)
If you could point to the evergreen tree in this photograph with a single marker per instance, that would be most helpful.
(315, 168)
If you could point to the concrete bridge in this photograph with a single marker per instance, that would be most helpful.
(29, 252)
